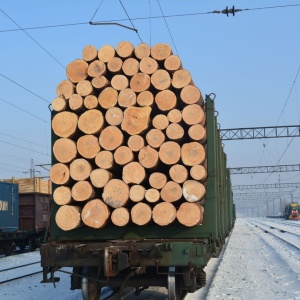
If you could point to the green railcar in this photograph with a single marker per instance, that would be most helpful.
(173, 256)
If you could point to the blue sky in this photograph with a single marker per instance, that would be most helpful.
(249, 61)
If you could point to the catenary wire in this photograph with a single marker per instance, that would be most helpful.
(96, 10)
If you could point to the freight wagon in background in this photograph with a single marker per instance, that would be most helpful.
(24, 213)
(99, 231)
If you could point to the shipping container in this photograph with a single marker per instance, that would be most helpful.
(9, 207)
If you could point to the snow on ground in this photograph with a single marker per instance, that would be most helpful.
(255, 266)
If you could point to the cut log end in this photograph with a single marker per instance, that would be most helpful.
(68, 217)
(190, 214)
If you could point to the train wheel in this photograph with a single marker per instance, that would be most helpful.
(174, 285)
(90, 288)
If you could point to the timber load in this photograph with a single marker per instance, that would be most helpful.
(130, 139)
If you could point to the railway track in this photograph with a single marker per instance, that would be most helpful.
(10, 276)
(279, 235)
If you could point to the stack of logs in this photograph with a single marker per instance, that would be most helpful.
(130, 130)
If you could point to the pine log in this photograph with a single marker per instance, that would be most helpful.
(148, 157)
(100, 83)
(100, 177)
(190, 94)
(140, 82)
(111, 137)
(106, 53)
(115, 65)
(190, 214)
(197, 133)
(157, 180)
(90, 102)
(91, 121)
(108, 98)
(89, 53)
(161, 80)
(95, 213)
(65, 89)
(133, 173)
(137, 193)
(116, 193)
(166, 100)
(145, 98)
(84, 88)
(76, 102)
(64, 124)
(171, 192)
(68, 217)
(120, 216)
(82, 191)
(104, 160)
(88, 146)
(142, 50)
(119, 82)
(141, 214)
(193, 190)
(148, 65)
(96, 68)
(161, 51)
(172, 63)
(114, 116)
(181, 78)
(80, 169)
(123, 155)
(130, 66)
(64, 150)
(124, 49)
(59, 174)
(192, 153)
(178, 173)
(164, 213)
(152, 195)
(174, 116)
(169, 153)
(198, 172)
(160, 121)
(155, 138)
(136, 143)
(175, 132)
(126, 98)
(77, 70)
(193, 114)
(62, 195)
(59, 104)
(136, 119)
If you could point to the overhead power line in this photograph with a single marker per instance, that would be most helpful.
(147, 18)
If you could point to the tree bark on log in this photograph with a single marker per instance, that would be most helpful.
(120, 216)
(164, 213)
(95, 214)
(68, 217)
(116, 193)
(141, 214)
(190, 214)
